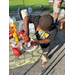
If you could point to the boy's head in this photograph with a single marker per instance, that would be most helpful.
(46, 22)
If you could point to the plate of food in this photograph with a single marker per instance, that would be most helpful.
(27, 46)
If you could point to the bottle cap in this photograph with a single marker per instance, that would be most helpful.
(12, 27)
(14, 44)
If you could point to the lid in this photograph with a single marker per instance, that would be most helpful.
(14, 44)
(12, 27)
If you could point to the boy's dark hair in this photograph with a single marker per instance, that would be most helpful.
(45, 22)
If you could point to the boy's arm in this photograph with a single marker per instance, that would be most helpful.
(30, 19)
(44, 41)
(33, 43)
(26, 26)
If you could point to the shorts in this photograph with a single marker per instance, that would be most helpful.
(55, 8)
(45, 50)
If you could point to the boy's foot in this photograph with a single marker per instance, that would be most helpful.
(43, 63)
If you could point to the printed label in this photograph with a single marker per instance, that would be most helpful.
(43, 34)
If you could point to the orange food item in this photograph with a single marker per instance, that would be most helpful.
(25, 44)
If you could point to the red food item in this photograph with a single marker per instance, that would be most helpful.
(21, 35)
(26, 40)
(10, 35)
(16, 51)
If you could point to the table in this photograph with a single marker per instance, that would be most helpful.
(26, 57)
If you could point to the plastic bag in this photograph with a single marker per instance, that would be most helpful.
(62, 13)
(31, 27)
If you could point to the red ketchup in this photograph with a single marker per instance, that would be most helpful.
(21, 35)
(16, 49)
(10, 35)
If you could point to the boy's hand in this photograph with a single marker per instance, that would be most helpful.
(26, 35)
(34, 43)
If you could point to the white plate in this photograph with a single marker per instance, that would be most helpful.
(29, 48)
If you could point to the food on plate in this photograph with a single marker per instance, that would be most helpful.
(26, 44)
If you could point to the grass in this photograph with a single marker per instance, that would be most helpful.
(14, 4)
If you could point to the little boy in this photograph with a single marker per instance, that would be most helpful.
(45, 30)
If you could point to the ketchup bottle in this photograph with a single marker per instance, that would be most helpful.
(10, 35)
(21, 33)
(16, 49)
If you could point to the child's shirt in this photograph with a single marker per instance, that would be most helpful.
(42, 34)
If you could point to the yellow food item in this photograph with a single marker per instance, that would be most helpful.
(17, 39)
(15, 29)
(14, 25)
(16, 36)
